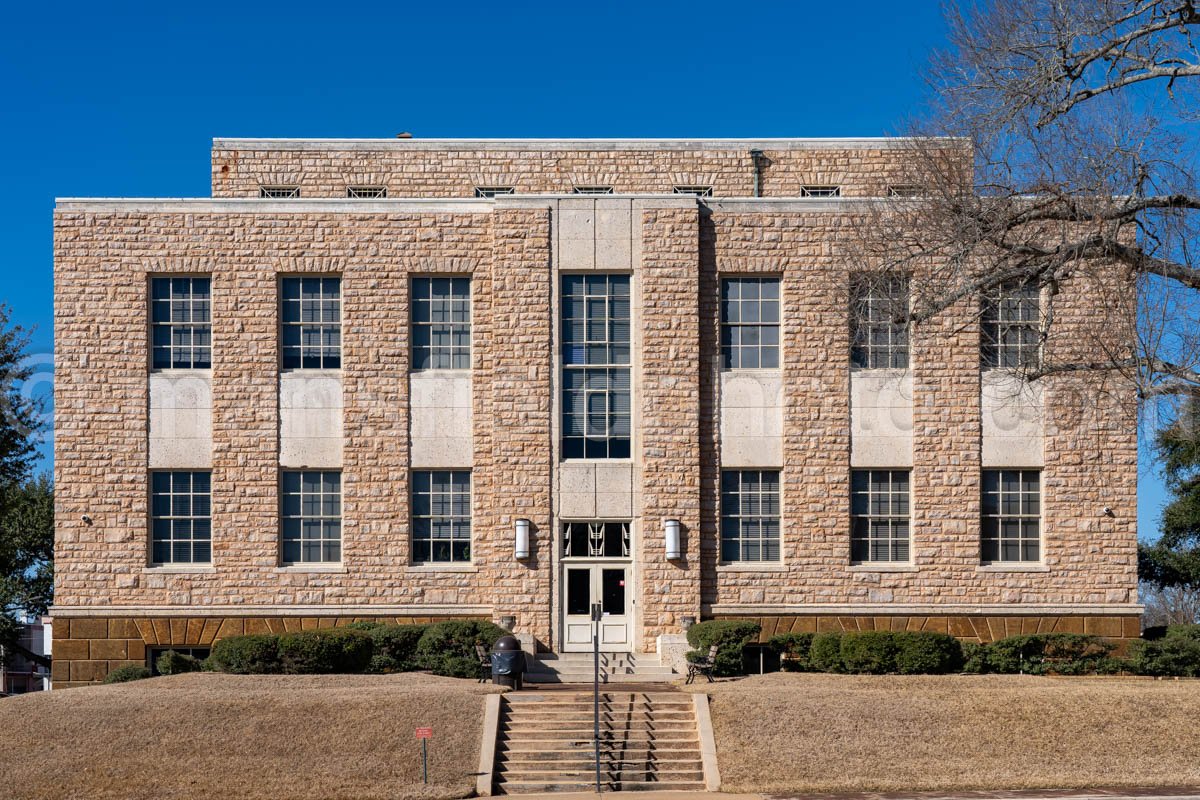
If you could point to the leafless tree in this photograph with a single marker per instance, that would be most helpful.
(1170, 605)
(1058, 154)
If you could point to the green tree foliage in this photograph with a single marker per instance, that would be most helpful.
(26, 503)
(1174, 560)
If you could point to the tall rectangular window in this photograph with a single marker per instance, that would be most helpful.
(441, 323)
(876, 339)
(311, 516)
(441, 517)
(879, 515)
(311, 321)
(1010, 327)
(1012, 516)
(595, 357)
(750, 323)
(181, 517)
(181, 323)
(750, 515)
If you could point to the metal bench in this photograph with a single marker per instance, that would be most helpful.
(485, 663)
(703, 666)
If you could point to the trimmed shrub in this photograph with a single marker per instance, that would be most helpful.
(448, 648)
(394, 647)
(1176, 653)
(927, 653)
(794, 649)
(869, 652)
(252, 654)
(130, 672)
(324, 650)
(825, 655)
(729, 635)
(974, 658)
(1046, 653)
(172, 663)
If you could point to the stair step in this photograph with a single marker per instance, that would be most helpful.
(523, 749)
(648, 740)
(537, 787)
(512, 767)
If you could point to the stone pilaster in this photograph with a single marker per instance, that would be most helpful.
(512, 411)
(670, 417)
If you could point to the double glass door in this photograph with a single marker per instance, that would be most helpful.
(593, 575)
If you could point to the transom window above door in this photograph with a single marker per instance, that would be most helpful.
(595, 540)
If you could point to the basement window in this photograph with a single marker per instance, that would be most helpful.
(820, 191)
(905, 190)
(698, 191)
(279, 192)
(366, 192)
(593, 190)
(154, 653)
(493, 191)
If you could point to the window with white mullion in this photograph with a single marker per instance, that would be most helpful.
(1012, 516)
(879, 512)
(181, 323)
(595, 366)
(750, 515)
(311, 516)
(181, 517)
(441, 517)
(1010, 327)
(876, 340)
(750, 323)
(311, 322)
(441, 323)
(279, 192)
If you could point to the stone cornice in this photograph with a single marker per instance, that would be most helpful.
(387, 145)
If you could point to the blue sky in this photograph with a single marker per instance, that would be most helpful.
(117, 99)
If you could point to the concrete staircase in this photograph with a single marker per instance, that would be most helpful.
(614, 668)
(544, 742)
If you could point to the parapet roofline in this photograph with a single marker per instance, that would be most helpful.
(467, 205)
(849, 143)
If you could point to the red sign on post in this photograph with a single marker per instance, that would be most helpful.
(424, 733)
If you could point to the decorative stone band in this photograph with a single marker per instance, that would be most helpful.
(88, 643)
(980, 623)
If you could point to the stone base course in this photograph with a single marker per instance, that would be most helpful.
(973, 628)
(88, 648)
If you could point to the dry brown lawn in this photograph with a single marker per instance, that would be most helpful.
(787, 733)
(235, 737)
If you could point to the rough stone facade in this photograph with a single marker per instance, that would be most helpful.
(448, 168)
(112, 603)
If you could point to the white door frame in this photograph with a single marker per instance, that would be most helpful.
(616, 629)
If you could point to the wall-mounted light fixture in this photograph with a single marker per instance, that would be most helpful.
(671, 531)
(521, 546)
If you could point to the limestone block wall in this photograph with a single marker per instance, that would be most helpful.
(449, 168)
(102, 442)
(670, 418)
(1089, 559)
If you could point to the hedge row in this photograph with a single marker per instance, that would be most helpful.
(444, 648)
(870, 652)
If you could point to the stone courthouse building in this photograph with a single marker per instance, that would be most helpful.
(418, 380)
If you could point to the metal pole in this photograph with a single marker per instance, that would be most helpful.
(596, 688)
(425, 760)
